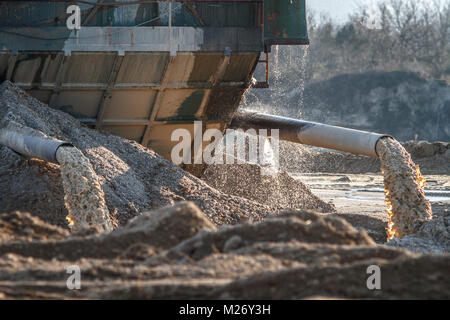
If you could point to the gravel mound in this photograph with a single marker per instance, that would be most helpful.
(23, 226)
(433, 236)
(159, 230)
(278, 191)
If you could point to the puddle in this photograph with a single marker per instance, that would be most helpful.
(376, 193)
(432, 195)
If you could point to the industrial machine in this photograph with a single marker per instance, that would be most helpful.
(141, 69)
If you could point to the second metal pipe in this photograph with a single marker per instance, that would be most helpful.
(311, 133)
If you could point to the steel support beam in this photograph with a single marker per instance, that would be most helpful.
(11, 66)
(107, 94)
(158, 101)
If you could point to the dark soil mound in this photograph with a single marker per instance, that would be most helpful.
(177, 253)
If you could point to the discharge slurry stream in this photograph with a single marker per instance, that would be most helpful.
(302, 80)
(407, 205)
(84, 198)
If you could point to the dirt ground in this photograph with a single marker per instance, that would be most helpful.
(178, 253)
(178, 237)
(359, 198)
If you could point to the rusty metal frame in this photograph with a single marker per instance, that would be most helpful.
(132, 86)
(157, 102)
(194, 12)
(216, 81)
(60, 74)
(107, 93)
(92, 13)
(118, 4)
(11, 65)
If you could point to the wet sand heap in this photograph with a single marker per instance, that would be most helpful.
(260, 179)
(84, 197)
(278, 191)
(407, 205)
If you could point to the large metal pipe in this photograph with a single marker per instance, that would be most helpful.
(30, 145)
(311, 133)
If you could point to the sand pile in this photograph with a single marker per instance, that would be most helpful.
(176, 252)
(16, 226)
(256, 176)
(278, 191)
(431, 237)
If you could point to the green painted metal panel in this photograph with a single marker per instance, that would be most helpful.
(285, 22)
(195, 14)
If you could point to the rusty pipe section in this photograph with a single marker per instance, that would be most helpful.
(30, 145)
(311, 133)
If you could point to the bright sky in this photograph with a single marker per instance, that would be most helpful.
(339, 10)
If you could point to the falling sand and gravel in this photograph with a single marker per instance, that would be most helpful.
(174, 235)
(407, 205)
(411, 222)
(83, 195)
